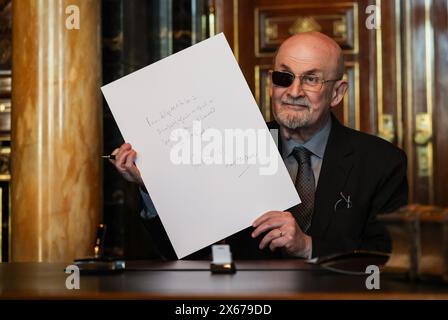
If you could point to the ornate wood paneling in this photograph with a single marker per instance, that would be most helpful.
(421, 110)
(425, 49)
(5, 125)
(275, 24)
(397, 72)
(439, 21)
(274, 21)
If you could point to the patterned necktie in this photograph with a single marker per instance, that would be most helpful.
(305, 186)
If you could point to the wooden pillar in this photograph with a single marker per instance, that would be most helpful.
(56, 129)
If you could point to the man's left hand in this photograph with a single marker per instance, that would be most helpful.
(282, 232)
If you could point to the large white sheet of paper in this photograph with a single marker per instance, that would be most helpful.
(199, 89)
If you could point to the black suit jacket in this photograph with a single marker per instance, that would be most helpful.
(370, 170)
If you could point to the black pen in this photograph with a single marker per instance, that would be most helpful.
(110, 156)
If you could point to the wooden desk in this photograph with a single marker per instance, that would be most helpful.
(292, 279)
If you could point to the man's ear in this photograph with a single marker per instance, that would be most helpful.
(271, 88)
(338, 92)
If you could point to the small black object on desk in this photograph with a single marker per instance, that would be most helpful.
(100, 263)
(351, 262)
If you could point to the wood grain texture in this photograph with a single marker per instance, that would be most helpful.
(274, 280)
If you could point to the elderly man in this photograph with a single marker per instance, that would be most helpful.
(344, 177)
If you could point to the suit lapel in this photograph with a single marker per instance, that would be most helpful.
(336, 166)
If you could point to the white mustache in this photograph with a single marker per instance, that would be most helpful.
(296, 102)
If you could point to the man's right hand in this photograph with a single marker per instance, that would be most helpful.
(124, 162)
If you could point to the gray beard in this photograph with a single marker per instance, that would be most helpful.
(294, 122)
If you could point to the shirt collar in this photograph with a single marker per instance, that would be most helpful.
(316, 144)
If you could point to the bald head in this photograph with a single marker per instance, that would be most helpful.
(313, 47)
(302, 107)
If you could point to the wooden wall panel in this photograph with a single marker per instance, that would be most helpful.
(5, 127)
(262, 25)
(397, 72)
(439, 14)
(423, 89)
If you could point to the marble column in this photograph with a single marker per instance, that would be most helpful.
(56, 129)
